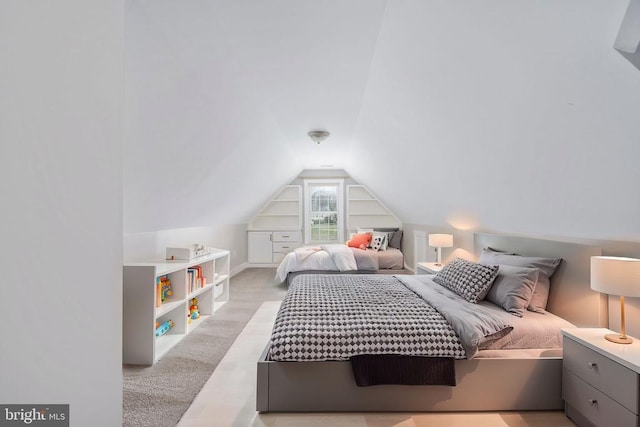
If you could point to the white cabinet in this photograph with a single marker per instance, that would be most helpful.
(364, 210)
(270, 247)
(283, 243)
(275, 231)
(144, 310)
(260, 248)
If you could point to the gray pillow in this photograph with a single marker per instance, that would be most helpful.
(513, 288)
(396, 240)
(466, 278)
(547, 267)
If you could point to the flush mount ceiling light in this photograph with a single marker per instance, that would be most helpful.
(318, 136)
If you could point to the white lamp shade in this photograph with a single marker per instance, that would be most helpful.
(441, 240)
(616, 275)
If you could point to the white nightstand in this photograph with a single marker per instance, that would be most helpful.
(600, 379)
(428, 268)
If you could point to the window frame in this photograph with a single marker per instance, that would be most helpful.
(308, 185)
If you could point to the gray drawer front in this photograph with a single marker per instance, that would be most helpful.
(613, 379)
(605, 412)
(284, 247)
(286, 236)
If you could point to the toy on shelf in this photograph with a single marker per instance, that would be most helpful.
(164, 328)
(194, 313)
(163, 290)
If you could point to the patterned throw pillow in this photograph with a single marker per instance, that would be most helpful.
(378, 243)
(468, 279)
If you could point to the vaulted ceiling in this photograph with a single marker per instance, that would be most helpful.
(502, 114)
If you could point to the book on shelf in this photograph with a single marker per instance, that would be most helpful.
(163, 289)
(195, 278)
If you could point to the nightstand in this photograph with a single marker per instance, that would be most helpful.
(428, 268)
(600, 379)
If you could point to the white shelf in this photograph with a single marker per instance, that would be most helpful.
(364, 210)
(283, 211)
(200, 291)
(369, 214)
(140, 314)
(167, 307)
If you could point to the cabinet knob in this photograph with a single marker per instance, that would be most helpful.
(593, 402)
(592, 365)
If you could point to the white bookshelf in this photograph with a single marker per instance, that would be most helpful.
(364, 210)
(283, 212)
(140, 313)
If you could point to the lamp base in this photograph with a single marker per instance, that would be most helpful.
(618, 339)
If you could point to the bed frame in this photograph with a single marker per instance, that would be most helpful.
(521, 382)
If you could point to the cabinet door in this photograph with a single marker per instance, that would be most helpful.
(260, 247)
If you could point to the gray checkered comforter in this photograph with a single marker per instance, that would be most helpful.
(334, 317)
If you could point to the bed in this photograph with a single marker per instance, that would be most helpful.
(534, 378)
(380, 254)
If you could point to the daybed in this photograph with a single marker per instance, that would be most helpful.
(492, 379)
(382, 254)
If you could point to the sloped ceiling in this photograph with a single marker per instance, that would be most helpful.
(508, 115)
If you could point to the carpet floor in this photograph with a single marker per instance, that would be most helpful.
(158, 395)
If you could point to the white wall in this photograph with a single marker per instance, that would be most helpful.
(61, 84)
(513, 116)
(220, 96)
(502, 115)
(152, 245)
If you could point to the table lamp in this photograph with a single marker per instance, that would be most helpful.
(616, 276)
(440, 241)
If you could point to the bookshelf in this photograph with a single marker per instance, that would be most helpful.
(364, 210)
(142, 310)
(283, 212)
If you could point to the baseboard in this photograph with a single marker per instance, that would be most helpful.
(238, 269)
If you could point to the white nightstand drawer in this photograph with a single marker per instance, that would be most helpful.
(613, 379)
(284, 247)
(286, 236)
(594, 405)
(277, 257)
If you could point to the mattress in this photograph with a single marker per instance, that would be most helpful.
(315, 259)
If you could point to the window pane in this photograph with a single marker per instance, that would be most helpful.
(324, 217)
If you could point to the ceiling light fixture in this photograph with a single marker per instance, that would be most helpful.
(318, 136)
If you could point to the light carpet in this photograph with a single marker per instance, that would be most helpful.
(158, 395)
